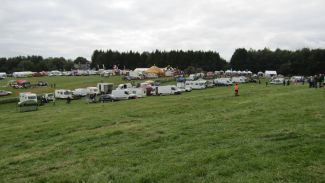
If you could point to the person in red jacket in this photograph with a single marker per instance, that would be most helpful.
(236, 89)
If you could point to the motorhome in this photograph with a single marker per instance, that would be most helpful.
(93, 90)
(27, 96)
(196, 85)
(63, 94)
(223, 82)
(166, 90)
(80, 92)
(27, 102)
(105, 88)
(183, 87)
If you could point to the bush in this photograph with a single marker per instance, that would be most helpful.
(8, 100)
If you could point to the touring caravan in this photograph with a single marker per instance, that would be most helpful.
(196, 85)
(166, 90)
(63, 94)
(105, 88)
(22, 74)
(238, 80)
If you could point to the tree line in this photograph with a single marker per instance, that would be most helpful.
(299, 62)
(205, 60)
(38, 63)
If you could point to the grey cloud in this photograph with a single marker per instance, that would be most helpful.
(75, 28)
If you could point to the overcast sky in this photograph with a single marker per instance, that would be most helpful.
(72, 28)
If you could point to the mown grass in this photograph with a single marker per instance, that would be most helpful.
(267, 134)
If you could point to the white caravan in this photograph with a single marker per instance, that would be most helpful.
(183, 87)
(3, 75)
(63, 94)
(105, 88)
(166, 90)
(55, 73)
(22, 74)
(196, 85)
(223, 82)
(238, 80)
(80, 92)
(93, 90)
(27, 96)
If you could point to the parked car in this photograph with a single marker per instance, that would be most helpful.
(41, 83)
(277, 81)
(5, 93)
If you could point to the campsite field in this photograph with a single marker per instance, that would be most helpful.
(267, 134)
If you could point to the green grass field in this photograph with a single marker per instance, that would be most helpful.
(267, 134)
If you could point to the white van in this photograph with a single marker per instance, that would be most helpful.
(63, 94)
(122, 95)
(196, 85)
(165, 90)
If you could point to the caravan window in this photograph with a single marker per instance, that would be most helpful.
(31, 97)
(173, 88)
(126, 92)
(66, 93)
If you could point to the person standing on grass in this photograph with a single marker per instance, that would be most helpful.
(236, 89)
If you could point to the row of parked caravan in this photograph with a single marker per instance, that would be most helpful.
(105, 91)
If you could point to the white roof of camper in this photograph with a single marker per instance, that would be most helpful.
(270, 72)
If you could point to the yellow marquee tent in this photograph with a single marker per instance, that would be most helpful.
(154, 70)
